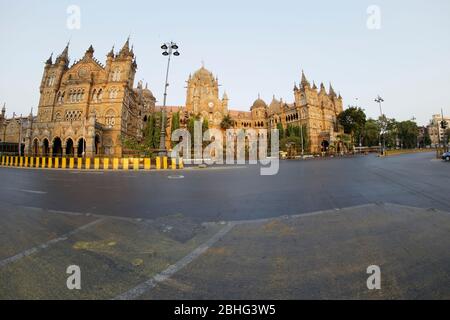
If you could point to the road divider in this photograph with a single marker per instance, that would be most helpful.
(71, 163)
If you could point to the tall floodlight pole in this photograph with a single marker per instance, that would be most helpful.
(379, 100)
(170, 48)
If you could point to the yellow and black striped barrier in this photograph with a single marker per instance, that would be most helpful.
(135, 164)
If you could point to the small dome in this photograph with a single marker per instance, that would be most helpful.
(275, 106)
(259, 103)
(147, 92)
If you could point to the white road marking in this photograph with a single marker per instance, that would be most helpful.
(33, 191)
(45, 245)
(171, 270)
(176, 177)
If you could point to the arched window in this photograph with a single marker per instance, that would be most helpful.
(94, 95)
(110, 118)
(100, 95)
(116, 74)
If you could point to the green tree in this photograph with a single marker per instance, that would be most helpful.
(175, 124)
(371, 133)
(407, 134)
(353, 120)
(426, 139)
(227, 122)
(290, 142)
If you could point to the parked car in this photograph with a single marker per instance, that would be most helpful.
(446, 156)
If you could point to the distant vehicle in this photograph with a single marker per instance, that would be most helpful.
(446, 156)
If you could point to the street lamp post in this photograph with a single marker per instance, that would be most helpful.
(379, 100)
(301, 135)
(170, 48)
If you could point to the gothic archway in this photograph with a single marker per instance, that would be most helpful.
(97, 144)
(69, 147)
(57, 147)
(45, 147)
(35, 149)
(81, 147)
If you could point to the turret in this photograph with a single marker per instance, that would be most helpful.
(225, 102)
(322, 89)
(3, 111)
(89, 53)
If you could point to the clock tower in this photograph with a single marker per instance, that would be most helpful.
(202, 97)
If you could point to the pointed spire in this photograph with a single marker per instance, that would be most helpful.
(65, 53)
(126, 48)
(295, 86)
(4, 108)
(304, 82)
(111, 53)
(64, 56)
(331, 91)
(322, 88)
(50, 59)
(314, 86)
(340, 97)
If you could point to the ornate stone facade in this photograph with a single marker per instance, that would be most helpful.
(88, 107)
(316, 109)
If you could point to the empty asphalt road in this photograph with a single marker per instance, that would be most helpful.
(234, 193)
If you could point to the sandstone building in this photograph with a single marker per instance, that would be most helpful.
(87, 108)
(315, 109)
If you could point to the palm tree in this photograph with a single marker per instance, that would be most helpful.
(227, 122)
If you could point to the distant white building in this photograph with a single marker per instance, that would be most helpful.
(434, 128)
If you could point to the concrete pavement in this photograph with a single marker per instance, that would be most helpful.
(340, 222)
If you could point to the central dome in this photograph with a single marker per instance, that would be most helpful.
(203, 75)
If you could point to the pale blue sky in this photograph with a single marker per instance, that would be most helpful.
(253, 46)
